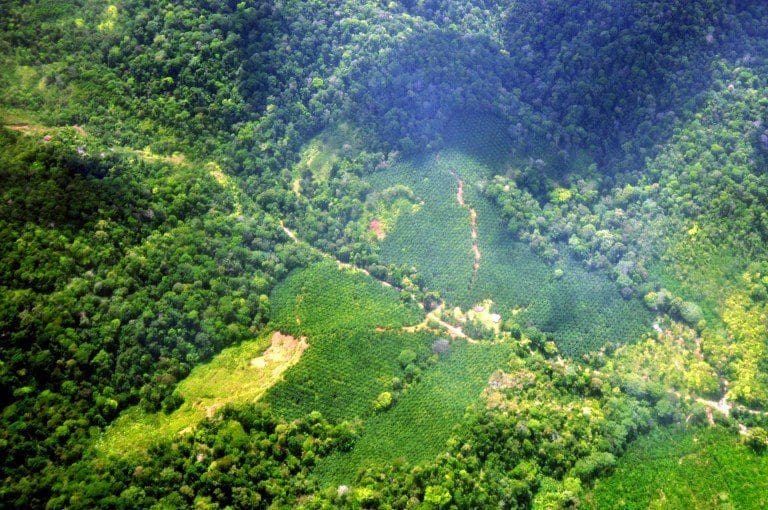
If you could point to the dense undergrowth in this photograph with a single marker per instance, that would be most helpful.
(181, 180)
(681, 467)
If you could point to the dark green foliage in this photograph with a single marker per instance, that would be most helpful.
(592, 466)
(757, 439)
(427, 77)
(118, 275)
(605, 70)
(245, 457)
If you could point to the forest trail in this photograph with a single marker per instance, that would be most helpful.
(342, 265)
(225, 181)
(472, 224)
(30, 128)
(151, 157)
(175, 159)
(434, 315)
(723, 406)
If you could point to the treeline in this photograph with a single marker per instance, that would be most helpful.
(118, 276)
(512, 452)
(705, 176)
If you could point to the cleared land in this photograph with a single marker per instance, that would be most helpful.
(238, 375)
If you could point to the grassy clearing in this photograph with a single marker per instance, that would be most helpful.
(321, 152)
(23, 122)
(238, 374)
(688, 468)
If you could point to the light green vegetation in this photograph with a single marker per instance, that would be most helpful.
(418, 427)
(684, 468)
(436, 238)
(701, 270)
(353, 323)
(172, 172)
(234, 376)
(355, 326)
(324, 150)
(581, 309)
(746, 320)
(715, 257)
(668, 360)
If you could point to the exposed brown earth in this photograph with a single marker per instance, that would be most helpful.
(377, 228)
(472, 223)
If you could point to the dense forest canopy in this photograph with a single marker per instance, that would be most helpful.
(367, 254)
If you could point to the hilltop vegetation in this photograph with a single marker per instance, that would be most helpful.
(580, 310)
(682, 467)
(457, 254)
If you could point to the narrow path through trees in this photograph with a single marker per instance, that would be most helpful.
(433, 316)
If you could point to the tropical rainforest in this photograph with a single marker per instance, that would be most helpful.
(384, 254)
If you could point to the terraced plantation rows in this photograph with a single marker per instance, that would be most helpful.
(352, 324)
(417, 428)
(355, 330)
(684, 468)
(582, 310)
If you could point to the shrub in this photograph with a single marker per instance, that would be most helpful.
(593, 465)
(406, 357)
(437, 495)
(383, 401)
(690, 313)
(756, 439)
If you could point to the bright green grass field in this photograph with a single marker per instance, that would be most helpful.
(227, 379)
(582, 310)
(695, 468)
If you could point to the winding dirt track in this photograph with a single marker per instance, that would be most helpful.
(472, 223)
(434, 315)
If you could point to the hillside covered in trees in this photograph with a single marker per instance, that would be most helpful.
(369, 254)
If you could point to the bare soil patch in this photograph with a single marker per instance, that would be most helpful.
(377, 228)
(283, 348)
